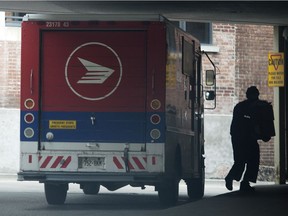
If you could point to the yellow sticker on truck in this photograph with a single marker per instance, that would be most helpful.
(62, 124)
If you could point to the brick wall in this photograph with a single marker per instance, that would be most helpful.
(224, 36)
(242, 62)
(252, 47)
(9, 74)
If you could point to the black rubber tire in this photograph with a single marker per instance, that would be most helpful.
(169, 193)
(91, 188)
(195, 188)
(55, 193)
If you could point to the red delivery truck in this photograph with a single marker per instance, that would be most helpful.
(112, 101)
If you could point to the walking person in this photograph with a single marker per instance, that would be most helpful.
(248, 125)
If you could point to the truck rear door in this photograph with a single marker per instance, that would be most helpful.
(93, 88)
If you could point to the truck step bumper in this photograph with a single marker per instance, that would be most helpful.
(77, 177)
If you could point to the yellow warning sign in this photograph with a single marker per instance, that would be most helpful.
(276, 69)
(62, 124)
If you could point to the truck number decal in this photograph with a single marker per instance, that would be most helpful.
(53, 24)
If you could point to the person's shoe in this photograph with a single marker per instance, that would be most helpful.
(229, 183)
(245, 187)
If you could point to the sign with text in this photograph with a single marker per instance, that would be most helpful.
(62, 124)
(276, 69)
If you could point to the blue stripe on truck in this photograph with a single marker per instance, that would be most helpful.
(130, 127)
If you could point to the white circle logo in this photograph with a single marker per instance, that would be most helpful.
(93, 71)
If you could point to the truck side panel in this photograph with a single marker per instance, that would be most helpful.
(183, 106)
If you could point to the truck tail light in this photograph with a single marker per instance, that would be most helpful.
(155, 104)
(29, 103)
(28, 132)
(155, 134)
(29, 118)
(155, 119)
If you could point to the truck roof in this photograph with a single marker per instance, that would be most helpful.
(93, 17)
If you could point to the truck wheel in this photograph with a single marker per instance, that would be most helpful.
(91, 188)
(56, 193)
(195, 188)
(168, 193)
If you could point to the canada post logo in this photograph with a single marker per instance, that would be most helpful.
(93, 71)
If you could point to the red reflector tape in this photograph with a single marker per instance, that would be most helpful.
(153, 160)
(134, 163)
(30, 159)
(53, 162)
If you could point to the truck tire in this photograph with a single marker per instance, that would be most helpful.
(91, 188)
(195, 188)
(56, 193)
(168, 193)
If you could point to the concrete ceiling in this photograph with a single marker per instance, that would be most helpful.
(256, 12)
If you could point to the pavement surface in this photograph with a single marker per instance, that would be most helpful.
(268, 199)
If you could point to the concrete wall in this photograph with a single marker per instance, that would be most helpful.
(9, 140)
(218, 148)
(9, 97)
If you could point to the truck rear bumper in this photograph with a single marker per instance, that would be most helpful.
(78, 177)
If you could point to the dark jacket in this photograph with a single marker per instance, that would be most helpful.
(253, 119)
(241, 126)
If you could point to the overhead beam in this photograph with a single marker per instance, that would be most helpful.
(260, 12)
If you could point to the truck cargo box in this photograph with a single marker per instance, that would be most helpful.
(110, 101)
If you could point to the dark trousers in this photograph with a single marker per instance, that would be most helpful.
(245, 153)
